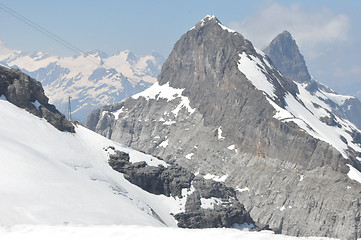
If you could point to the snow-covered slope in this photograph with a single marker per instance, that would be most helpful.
(135, 233)
(310, 110)
(91, 80)
(53, 177)
(60, 184)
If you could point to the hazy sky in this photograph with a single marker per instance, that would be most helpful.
(328, 31)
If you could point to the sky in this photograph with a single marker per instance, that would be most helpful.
(327, 31)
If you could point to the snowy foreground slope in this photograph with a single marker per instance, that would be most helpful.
(59, 184)
(52, 177)
(113, 232)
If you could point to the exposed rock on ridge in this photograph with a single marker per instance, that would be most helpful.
(25, 92)
(223, 125)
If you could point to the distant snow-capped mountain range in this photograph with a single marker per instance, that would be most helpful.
(91, 80)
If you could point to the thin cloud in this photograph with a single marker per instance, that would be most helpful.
(356, 70)
(308, 28)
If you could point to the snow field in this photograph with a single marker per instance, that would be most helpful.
(51, 177)
(116, 232)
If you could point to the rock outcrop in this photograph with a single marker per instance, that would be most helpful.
(157, 180)
(25, 92)
(209, 205)
(223, 110)
(212, 205)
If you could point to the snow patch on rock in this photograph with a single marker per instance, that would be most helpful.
(219, 133)
(164, 144)
(354, 174)
(242, 189)
(189, 156)
(209, 203)
(167, 92)
(215, 178)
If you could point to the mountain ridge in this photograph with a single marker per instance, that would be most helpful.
(286, 56)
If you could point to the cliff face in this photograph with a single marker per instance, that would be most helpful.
(221, 109)
(25, 92)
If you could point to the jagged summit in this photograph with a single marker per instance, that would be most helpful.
(212, 20)
(209, 19)
(284, 52)
(286, 34)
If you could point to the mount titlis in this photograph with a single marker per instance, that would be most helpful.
(259, 124)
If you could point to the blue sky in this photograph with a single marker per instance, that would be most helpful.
(327, 31)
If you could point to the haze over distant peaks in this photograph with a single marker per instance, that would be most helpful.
(92, 79)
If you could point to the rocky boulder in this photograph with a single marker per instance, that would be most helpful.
(25, 92)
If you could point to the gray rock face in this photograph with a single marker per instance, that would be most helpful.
(285, 55)
(25, 92)
(223, 210)
(222, 126)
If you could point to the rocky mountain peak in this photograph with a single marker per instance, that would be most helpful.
(286, 56)
(286, 35)
(205, 62)
(212, 21)
(211, 44)
(209, 19)
(223, 110)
